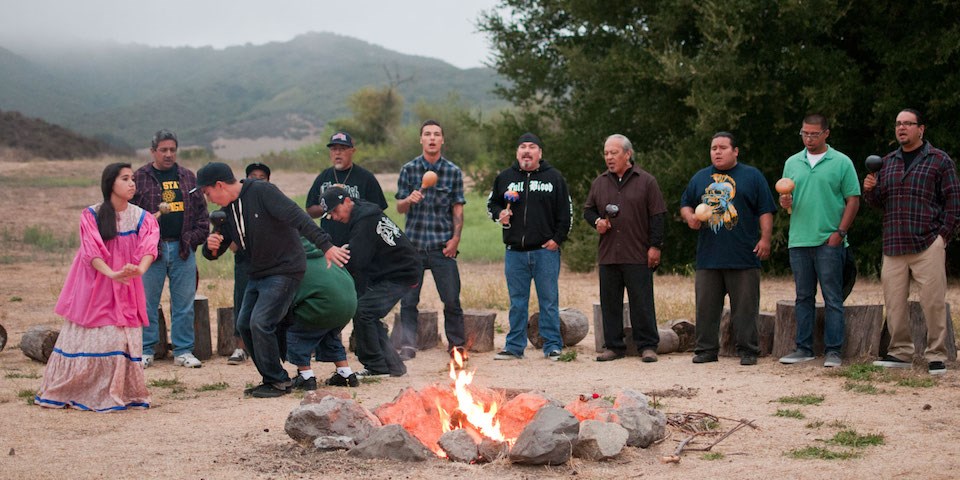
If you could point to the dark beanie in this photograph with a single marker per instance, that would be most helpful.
(529, 137)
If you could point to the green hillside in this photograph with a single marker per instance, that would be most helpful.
(125, 92)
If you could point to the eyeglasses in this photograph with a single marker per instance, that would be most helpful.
(811, 134)
(904, 124)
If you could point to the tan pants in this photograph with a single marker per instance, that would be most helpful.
(928, 269)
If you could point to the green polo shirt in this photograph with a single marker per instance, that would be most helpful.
(820, 195)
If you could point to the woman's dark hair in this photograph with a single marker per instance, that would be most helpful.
(107, 215)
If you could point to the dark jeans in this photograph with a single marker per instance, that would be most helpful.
(826, 264)
(303, 341)
(374, 349)
(265, 303)
(638, 280)
(447, 277)
(241, 274)
(743, 286)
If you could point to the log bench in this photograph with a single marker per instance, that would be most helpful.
(670, 340)
(38, 342)
(862, 330)
(766, 325)
(918, 330)
(479, 327)
(573, 328)
(202, 346)
(428, 334)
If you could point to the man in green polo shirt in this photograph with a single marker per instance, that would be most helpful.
(824, 203)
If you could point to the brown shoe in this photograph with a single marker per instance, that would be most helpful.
(649, 356)
(609, 355)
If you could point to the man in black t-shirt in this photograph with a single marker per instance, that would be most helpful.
(356, 180)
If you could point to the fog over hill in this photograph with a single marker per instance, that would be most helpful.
(122, 93)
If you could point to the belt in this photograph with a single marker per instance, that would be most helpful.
(169, 239)
(524, 249)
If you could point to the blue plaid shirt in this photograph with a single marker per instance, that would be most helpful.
(430, 222)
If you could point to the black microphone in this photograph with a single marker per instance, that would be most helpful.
(217, 218)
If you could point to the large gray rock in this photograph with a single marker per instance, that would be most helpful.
(548, 439)
(645, 425)
(600, 440)
(330, 417)
(631, 398)
(459, 446)
(394, 443)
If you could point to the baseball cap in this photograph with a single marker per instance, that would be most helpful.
(214, 172)
(331, 198)
(258, 166)
(341, 138)
(529, 137)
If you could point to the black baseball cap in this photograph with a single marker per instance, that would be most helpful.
(341, 138)
(529, 137)
(258, 166)
(331, 198)
(214, 172)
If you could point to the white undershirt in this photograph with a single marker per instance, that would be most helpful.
(813, 158)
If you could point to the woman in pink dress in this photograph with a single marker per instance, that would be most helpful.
(95, 364)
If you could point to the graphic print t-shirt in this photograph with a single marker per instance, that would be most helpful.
(171, 224)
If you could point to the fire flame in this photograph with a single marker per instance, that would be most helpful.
(482, 419)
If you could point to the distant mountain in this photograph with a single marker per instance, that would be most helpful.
(123, 93)
(36, 137)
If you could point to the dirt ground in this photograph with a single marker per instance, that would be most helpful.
(193, 431)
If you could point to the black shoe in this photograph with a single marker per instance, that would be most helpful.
(889, 361)
(705, 358)
(337, 380)
(265, 390)
(746, 360)
(936, 368)
(407, 353)
(300, 383)
(610, 355)
(369, 374)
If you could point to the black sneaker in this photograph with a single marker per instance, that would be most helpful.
(265, 390)
(705, 358)
(300, 383)
(507, 355)
(407, 353)
(936, 368)
(554, 355)
(748, 360)
(337, 380)
(368, 374)
(889, 361)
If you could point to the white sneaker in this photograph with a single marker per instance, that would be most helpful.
(146, 361)
(187, 360)
(237, 357)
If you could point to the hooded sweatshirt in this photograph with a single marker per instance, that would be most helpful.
(379, 250)
(544, 211)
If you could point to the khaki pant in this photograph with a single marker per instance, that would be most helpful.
(928, 269)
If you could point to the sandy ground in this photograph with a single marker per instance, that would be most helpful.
(193, 432)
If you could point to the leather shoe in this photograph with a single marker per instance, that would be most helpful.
(748, 360)
(609, 355)
(704, 358)
(649, 356)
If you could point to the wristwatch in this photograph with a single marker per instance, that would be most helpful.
(842, 233)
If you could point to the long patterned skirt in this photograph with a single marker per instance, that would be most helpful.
(95, 369)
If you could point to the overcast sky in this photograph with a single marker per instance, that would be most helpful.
(444, 29)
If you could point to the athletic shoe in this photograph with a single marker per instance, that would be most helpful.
(146, 361)
(368, 374)
(187, 360)
(300, 383)
(705, 358)
(265, 390)
(936, 368)
(648, 356)
(507, 355)
(554, 355)
(832, 360)
(889, 361)
(237, 357)
(337, 380)
(797, 356)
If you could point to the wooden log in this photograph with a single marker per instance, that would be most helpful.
(37, 343)
(573, 327)
(686, 334)
(598, 326)
(428, 334)
(669, 341)
(3, 337)
(918, 332)
(862, 330)
(202, 344)
(162, 347)
(226, 341)
(478, 326)
(766, 325)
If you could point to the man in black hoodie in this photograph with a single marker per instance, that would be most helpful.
(385, 266)
(531, 201)
(267, 226)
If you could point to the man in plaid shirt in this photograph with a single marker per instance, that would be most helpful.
(434, 222)
(918, 191)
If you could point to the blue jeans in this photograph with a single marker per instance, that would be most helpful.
(826, 264)
(303, 341)
(543, 267)
(447, 277)
(265, 304)
(374, 349)
(183, 289)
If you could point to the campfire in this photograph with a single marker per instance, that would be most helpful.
(478, 419)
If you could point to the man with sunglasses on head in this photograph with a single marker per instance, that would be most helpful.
(824, 203)
(918, 191)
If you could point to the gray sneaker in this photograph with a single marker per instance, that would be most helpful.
(797, 356)
(832, 360)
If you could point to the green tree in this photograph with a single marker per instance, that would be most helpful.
(376, 114)
(670, 73)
